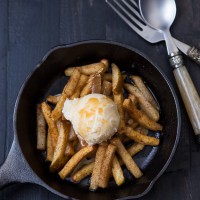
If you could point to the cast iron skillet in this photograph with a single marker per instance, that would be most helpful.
(25, 164)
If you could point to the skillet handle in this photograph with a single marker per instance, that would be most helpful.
(15, 169)
(188, 92)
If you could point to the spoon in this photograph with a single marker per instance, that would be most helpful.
(160, 14)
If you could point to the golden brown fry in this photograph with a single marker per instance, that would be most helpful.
(66, 93)
(41, 129)
(106, 166)
(106, 88)
(85, 171)
(142, 130)
(87, 89)
(127, 159)
(59, 152)
(86, 69)
(50, 150)
(132, 150)
(96, 173)
(53, 99)
(96, 84)
(133, 98)
(83, 80)
(72, 83)
(51, 123)
(74, 160)
(144, 104)
(141, 117)
(118, 99)
(142, 139)
(92, 82)
(58, 124)
(105, 62)
(132, 123)
(135, 148)
(117, 81)
(142, 87)
(117, 172)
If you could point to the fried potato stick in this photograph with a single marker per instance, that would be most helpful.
(106, 166)
(96, 173)
(50, 151)
(87, 69)
(140, 116)
(126, 157)
(53, 130)
(117, 172)
(143, 102)
(83, 80)
(88, 168)
(106, 88)
(41, 129)
(87, 89)
(96, 84)
(142, 87)
(133, 98)
(105, 62)
(66, 93)
(85, 171)
(118, 99)
(59, 153)
(132, 123)
(142, 139)
(142, 130)
(117, 81)
(74, 160)
(135, 148)
(91, 82)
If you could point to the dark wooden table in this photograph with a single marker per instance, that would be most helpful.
(28, 29)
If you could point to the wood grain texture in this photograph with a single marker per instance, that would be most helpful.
(30, 28)
(190, 97)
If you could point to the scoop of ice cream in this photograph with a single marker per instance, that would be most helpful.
(94, 117)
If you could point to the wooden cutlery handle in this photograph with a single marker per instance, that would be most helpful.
(190, 98)
(194, 54)
(188, 92)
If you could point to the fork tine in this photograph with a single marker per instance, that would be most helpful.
(134, 3)
(146, 32)
(129, 14)
(132, 9)
(136, 29)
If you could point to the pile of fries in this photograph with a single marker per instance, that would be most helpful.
(70, 157)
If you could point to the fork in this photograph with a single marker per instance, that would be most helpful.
(128, 11)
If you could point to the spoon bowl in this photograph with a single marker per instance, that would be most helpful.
(158, 14)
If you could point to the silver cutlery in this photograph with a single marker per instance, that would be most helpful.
(159, 31)
(128, 10)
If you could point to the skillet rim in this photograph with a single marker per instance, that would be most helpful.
(108, 42)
